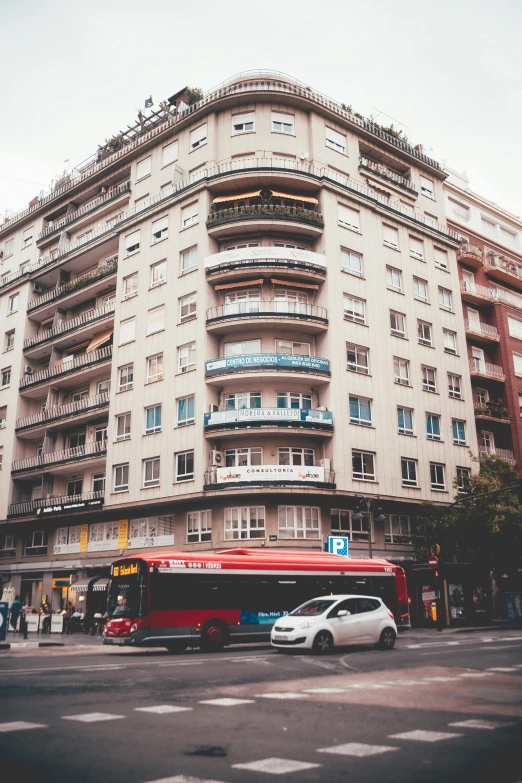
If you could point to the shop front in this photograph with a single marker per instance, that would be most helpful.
(465, 590)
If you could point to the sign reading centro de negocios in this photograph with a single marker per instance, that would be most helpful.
(268, 414)
(266, 254)
(67, 508)
(257, 473)
(267, 361)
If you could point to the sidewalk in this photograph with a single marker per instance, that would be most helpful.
(17, 641)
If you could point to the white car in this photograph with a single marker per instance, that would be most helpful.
(335, 620)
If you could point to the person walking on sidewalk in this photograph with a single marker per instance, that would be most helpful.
(23, 620)
(16, 608)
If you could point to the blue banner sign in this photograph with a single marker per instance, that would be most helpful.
(267, 361)
(267, 415)
(260, 618)
(4, 608)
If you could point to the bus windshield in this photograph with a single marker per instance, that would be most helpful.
(127, 598)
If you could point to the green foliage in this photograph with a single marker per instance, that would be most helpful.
(194, 94)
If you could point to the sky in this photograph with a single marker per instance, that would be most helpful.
(449, 73)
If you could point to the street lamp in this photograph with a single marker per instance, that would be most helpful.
(369, 504)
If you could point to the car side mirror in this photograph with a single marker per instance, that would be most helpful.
(343, 613)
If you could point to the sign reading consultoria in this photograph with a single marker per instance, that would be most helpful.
(298, 473)
(267, 361)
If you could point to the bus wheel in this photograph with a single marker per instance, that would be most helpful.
(323, 643)
(213, 637)
(175, 648)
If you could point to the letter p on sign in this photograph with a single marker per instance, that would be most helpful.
(338, 545)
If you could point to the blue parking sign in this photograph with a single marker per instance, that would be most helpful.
(338, 545)
(4, 608)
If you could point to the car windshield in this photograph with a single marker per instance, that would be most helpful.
(312, 608)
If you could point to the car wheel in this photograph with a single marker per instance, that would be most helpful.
(323, 643)
(213, 637)
(387, 639)
(176, 648)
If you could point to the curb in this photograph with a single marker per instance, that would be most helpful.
(17, 645)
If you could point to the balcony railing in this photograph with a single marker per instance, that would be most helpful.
(266, 308)
(92, 449)
(385, 173)
(507, 454)
(85, 209)
(67, 367)
(59, 503)
(63, 327)
(108, 268)
(267, 361)
(480, 291)
(64, 411)
(285, 417)
(495, 261)
(277, 257)
(486, 330)
(467, 250)
(485, 368)
(265, 212)
(497, 412)
(269, 474)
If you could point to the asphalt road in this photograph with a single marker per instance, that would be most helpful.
(434, 709)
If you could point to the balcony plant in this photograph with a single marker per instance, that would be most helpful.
(194, 94)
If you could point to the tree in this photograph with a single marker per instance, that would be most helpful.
(194, 94)
(485, 531)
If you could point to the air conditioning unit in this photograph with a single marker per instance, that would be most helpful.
(213, 408)
(28, 370)
(321, 408)
(37, 288)
(217, 459)
(324, 463)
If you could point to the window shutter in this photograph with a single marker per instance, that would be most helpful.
(349, 217)
(198, 136)
(390, 235)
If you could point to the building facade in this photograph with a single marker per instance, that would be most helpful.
(219, 331)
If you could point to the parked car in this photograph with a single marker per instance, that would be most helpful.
(336, 620)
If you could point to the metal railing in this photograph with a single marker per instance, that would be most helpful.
(30, 506)
(63, 327)
(507, 454)
(85, 209)
(109, 267)
(64, 411)
(467, 249)
(495, 261)
(485, 368)
(268, 211)
(482, 328)
(210, 477)
(478, 290)
(385, 173)
(92, 449)
(266, 307)
(66, 367)
(491, 413)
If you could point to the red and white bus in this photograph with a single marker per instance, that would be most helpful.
(179, 599)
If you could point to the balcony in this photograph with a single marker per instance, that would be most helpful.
(92, 450)
(477, 294)
(379, 170)
(284, 365)
(67, 367)
(312, 318)
(287, 262)
(505, 454)
(245, 421)
(482, 332)
(62, 412)
(492, 412)
(470, 255)
(481, 369)
(63, 328)
(294, 218)
(108, 269)
(505, 269)
(269, 475)
(58, 504)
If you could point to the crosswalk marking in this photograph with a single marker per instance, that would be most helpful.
(282, 695)
(325, 690)
(418, 735)
(225, 702)
(19, 725)
(276, 766)
(476, 674)
(359, 749)
(185, 779)
(440, 679)
(476, 723)
(92, 717)
(162, 709)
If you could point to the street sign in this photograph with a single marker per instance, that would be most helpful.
(433, 561)
(338, 545)
(4, 607)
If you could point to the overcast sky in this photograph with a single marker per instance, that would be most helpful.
(74, 73)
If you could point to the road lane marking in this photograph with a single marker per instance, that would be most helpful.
(419, 735)
(440, 679)
(227, 702)
(282, 695)
(502, 669)
(103, 669)
(162, 709)
(19, 725)
(476, 723)
(276, 766)
(465, 650)
(92, 717)
(358, 749)
(325, 690)
(477, 674)
(403, 682)
(184, 779)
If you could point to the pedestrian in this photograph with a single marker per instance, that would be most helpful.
(23, 620)
(16, 608)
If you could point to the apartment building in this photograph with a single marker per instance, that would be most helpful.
(490, 272)
(236, 318)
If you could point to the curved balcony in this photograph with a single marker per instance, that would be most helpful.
(502, 268)
(481, 369)
(108, 269)
(505, 454)
(281, 218)
(91, 450)
(287, 262)
(67, 367)
(61, 412)
(267, 421)
(63, 328)
(222, 318)
(59, 503)
(269, 476)
(284, 366)
(470, 255)
(481, 332)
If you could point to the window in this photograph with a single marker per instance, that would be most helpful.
(74, 487)
(143, 168)
(121, 477)
(187, 357)
(185, 466)
(189, 215)
(420, 289)
(247, 400)
(430, 220)
(463, 477)
(282, 123)
(429, 379)
(155, 368)
(169, 154)
(198, 137)
(132, 243)
(27, 237)
(151, 472)
(482, 396)
(397, 529)
(517, 363)
(363, 465)
(424, 333)
(514, 326)
(160, 230)
(393, 278)
(488, 226)
(508, 237)
(141, 203)
(360, 411)
(401, 371)
(152, 419)
(416, 249)
(9, 340)
(354, 309)
(432, 426)
(189, 259)
(427, 187)
(405, 420)
(243, 123)
(355, 529)
(441, 259)
(409, 472)
(459, 432)
(36, 543)
(298, 522)
(296, 456)
(98, 482)
(123, 426)
(459, 209)
(335, 140)
(390, 236)
(3, 416)
(6, 376)
(127, 331)
(357, 358)
(244, 522)
(14, 301)
(519, 404)
(187, 307)
(292, 349)
(289, 400)
(186, 410)
(125, 377)
(80, 395)
(437, 476)
(7, 542)
(450, 341)
(199, 527)
(103, 387)
(351, 262)
(397, 324)
(130, 286)
(245, 348)
(454, 386)
(348, 217)
(9, 248)
(239, 458)
(445, 301)
(156, 320)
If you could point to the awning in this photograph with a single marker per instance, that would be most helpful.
(101, 584)
(99, 339)
(294, 197)
(75, 348)
(82, 585)
(243, 284)
(236, 196)
(287, 283)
